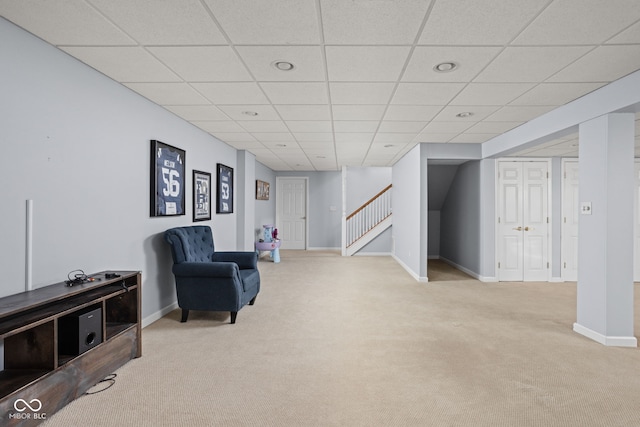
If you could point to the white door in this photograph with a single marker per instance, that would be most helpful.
(570, 215)
(291, 212)
(523, 221)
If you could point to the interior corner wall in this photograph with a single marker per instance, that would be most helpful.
(324, 215)
(488, 217)
(76, 143)
(460, 224)
(407, 213)
(265, 210)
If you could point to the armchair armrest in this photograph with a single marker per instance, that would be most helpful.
(243, 259)
(205, 269)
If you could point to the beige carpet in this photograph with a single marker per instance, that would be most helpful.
(336, 341)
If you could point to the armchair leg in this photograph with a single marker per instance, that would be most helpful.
(234, 314)
(253, 300)
(185, 314)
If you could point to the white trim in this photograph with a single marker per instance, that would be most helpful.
(159, 314)
(556, 280)
(320, 248)
(372, 254)
(488, 279)
(610, 341)
(410, 271)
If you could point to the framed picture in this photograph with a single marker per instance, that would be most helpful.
(224, 194)
(262, 190)
(167, 180)
(201, 196)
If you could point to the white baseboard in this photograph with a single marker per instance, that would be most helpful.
(556, 280)
(611, 341)
(373, 254)
(461, 268)
(159, 314)
(410, 271)
(317, 248)
(488, 279)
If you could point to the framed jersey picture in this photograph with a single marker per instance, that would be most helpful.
(168, 182)
(201, 196)
(224, 193)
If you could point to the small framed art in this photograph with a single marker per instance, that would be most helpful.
(224, 193)
(167, 180)
(262, 190)
(201, 196)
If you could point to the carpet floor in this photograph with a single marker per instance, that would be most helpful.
(356, 341)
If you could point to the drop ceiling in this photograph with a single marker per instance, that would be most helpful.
(363, 89)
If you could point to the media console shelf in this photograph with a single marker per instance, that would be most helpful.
(61, 340)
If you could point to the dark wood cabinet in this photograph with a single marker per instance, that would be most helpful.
(39, 377)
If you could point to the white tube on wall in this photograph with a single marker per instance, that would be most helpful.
(29, 248)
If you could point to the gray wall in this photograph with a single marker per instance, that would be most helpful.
(77, 144)
(439, 177)
(460, 223)
(324, 215)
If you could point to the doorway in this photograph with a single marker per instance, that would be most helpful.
(523, 221)
(291, 211)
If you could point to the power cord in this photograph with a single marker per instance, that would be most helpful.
(78, 278)
(109, 380)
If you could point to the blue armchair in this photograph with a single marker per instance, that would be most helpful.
(209, 280)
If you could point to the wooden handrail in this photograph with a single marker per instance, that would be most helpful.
(370, 200)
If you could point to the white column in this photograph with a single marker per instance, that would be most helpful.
(605, 253)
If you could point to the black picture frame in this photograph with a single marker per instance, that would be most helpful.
(168, 184)
(224, 189)
(201, 196)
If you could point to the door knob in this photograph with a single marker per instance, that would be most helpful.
(518, 229)
(527, 228)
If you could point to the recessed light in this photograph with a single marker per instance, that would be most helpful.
(281, 145)
(388, 145)
(445, 67)
(283, 65)
(250, 113)
(321, 157)
(464, 114)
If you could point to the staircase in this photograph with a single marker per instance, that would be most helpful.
(367, 222)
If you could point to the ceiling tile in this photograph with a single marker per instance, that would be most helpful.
(268, 21)
(358, 112)
(296, 92)
(490, 93)
(437, 137)
(454, 127)
(163, 23)
(51, 23)
(203, 63)
(426, 93)
(361, 93)
(629, 36)
(197, 112)
(279, 145)
(169, 93)
(304, 112)
(360, 22)
(574, 22)
(247, 145)
(597, 65)
(355, 125)
(365, 63)
(232, 93)
(233, 136)
(474, 22)
(237, 112)
(401, 127)
(530, 64)
(311, 138)
(396, 138)
(263, 126)
(354, 137)
(309, 126)
(273, 136)
(218, 126)
(555, 93)
(470, 60)
(307, 60)
(480, 112)
(124, 63)
(518, 113)
(415, 113)
(493, 127)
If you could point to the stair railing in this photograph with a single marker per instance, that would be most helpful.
(367, 216)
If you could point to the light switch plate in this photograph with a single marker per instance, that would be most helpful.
(585, 208)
